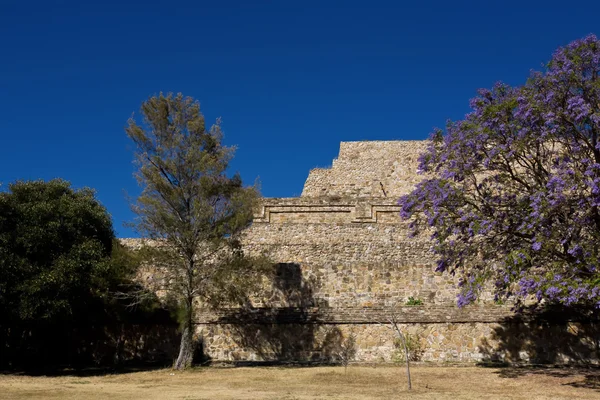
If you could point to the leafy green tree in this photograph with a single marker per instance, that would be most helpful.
(191, 208)
(55, 245)
(55, 264)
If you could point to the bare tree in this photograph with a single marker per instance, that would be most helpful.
(389, 316)
(393, 323)
(347, 350)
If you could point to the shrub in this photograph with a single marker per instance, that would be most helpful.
(414, 302)
(414, 348)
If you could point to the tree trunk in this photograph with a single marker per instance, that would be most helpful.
(407, 355)
(186, 348)
(406, 351)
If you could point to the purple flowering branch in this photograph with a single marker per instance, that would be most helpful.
(512, 191)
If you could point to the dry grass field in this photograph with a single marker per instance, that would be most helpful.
(382, 382)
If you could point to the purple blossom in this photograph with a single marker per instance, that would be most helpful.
(464, 299)
(512, 192)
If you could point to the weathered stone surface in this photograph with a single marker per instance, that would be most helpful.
(347, 265)
(372, 169)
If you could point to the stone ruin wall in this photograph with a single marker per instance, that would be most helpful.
(345, 259)
(362, 169)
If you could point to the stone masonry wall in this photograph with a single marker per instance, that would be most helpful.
(346, 265)
(455, 342)
(368, 169)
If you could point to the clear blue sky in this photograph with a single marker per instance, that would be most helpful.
(290, 79)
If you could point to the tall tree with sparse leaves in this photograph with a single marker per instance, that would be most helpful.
(513, 195)
(191, 208)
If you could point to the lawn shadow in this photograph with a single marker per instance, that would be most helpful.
(84, 372)
(590, 374)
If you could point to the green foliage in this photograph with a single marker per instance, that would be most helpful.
(60, 267)
(55, 246)
(415, 349)
(187, 199)
(414, 301)
(190, 205)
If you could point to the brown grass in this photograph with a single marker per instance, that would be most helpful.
(382, 382)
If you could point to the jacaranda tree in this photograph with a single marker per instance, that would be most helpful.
(512, 191)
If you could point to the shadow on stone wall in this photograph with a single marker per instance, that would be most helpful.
(552, 336)
(286, 327)
(104, 342)
(142, 344)
(549, 339)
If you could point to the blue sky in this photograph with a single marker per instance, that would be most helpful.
(290, 79)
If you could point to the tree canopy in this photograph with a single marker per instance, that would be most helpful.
(512, 191)
(190, 205)
(59, 265)
(55, 245)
